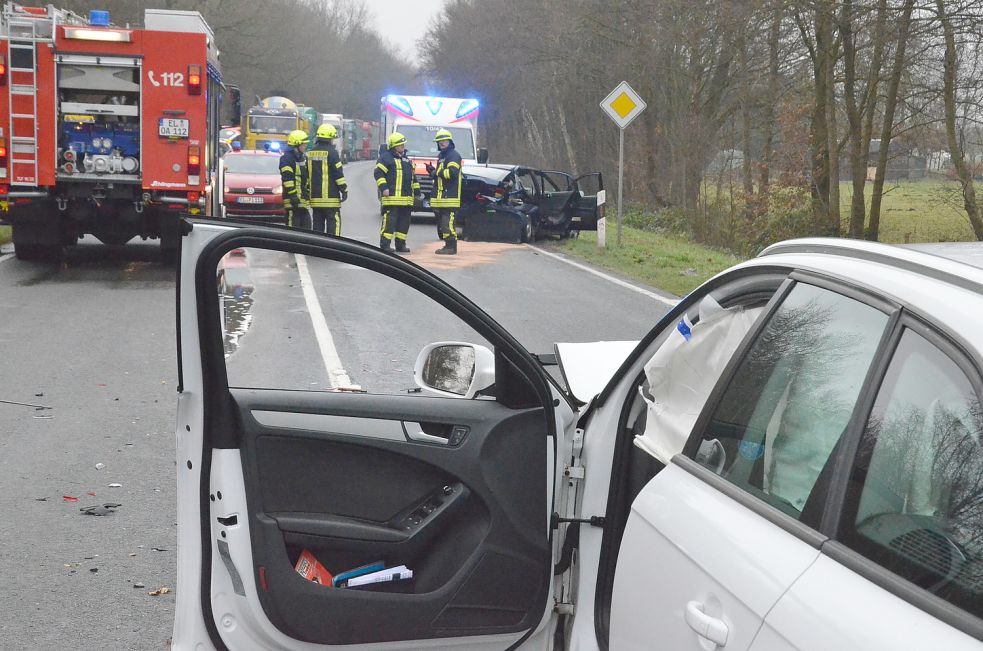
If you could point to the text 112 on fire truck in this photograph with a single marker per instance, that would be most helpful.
(105, 130)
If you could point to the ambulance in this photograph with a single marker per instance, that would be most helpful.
(419, 118)
(105, 130)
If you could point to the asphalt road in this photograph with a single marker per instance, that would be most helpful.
(92, 339)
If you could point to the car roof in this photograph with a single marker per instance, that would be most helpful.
(942, 283)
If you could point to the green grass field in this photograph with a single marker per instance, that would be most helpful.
(930, 210)
(4, 234)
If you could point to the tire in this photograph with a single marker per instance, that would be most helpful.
(37, 252)
(528, 231)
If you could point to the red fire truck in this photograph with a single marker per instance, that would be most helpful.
(105, 130)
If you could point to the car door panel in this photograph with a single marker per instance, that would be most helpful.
(683, 535)
(306, 491)
(833, 607)
(458, 490)
(584, 208)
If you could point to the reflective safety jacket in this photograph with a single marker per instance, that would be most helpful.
(447, 193)
(395, 173)
(293, 174)
(325, 176)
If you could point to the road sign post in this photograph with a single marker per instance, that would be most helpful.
(622, 105)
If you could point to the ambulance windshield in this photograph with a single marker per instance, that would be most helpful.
(419, 140)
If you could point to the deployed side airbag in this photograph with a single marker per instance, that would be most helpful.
(683, 371)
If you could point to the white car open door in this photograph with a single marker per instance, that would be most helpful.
(300, 455)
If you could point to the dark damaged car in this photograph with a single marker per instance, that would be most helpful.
(512, 203)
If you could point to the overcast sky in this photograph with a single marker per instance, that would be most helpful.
(404, 22)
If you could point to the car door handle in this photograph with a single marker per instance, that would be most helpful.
(707, 627)
(423, 437)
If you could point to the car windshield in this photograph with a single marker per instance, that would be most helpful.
(252, 164)
(272, 124)
(419, 140)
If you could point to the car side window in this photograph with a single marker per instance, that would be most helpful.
(304, 323)
(786, 408)
(915, 497)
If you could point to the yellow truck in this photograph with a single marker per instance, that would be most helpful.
(269, 122)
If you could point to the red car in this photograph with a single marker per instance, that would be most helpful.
(252, 185)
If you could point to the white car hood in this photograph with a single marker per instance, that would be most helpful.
(587, 368)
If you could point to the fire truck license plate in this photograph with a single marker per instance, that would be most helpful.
(173, 128)
(250, 199)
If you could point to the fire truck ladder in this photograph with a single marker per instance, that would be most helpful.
(25, 29)
(23, 98)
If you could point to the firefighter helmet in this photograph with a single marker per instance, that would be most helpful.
(297, 137)
(443, 134)
(327, 132)
(395, 139)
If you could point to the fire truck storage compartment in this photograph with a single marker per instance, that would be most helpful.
(98, 118)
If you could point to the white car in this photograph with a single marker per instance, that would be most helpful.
(791, 458)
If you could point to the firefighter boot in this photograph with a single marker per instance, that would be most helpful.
(385, 244)
(450, 247)
(401, 246)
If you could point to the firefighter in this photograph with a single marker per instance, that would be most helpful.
(328, 187)
(446, 198)
(293, 174)
(398, 187)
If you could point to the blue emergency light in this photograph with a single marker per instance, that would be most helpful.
(273, 146)
(467, 107)
(99, 18)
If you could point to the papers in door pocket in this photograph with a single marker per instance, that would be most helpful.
(382, 576)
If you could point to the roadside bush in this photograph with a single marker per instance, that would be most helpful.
(666, 221)
(744, 228)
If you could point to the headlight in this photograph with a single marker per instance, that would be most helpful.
(278, 189)
(226, 189)
(97, 142)
(107, 143)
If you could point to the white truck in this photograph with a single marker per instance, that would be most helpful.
(419, 118)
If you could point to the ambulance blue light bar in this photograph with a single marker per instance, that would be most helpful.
(467, 108)
(400, 104)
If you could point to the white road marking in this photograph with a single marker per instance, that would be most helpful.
(617, 281)
(337, 376)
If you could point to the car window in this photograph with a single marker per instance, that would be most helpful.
(555, 182)
(915, 498)
(789, 402)
(299, 322)
(528, 183)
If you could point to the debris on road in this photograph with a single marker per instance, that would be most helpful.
(100, 466)
(93, 569)
(159, 591)
(23, 404)
(139, 585)
(100, 509)
(69, 498)
(114, 485)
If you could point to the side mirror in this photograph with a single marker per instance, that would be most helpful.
(482, 155)
(455, 369)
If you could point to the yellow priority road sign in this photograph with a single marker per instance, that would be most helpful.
(623, 104)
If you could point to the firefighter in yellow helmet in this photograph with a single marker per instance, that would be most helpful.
(446, 198)
(397, 187)
(328, 187)
(293, 175)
